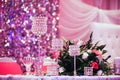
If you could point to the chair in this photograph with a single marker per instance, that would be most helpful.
(108, 34)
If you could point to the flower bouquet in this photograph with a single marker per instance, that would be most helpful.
(91, 55)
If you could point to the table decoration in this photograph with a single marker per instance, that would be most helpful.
(39, 28)
(88, 71)
(51, 66)
(39, 25)
(38, 66)
(91, 55)
(74, 51)
(57, 45)
(28, 61)
(117, 66)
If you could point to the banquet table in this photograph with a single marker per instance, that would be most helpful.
(30, 77)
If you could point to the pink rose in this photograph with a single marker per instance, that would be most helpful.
(94, 65)
(56, 54)
(97, 52)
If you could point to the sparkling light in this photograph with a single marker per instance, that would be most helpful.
(38, 5)
(55, 29)
(57, 18)
(25, 22)
(17, 26)
(22, 0)
(8, 21)
(12, 25)
(34, 10)
(5, 0)
(54, 13)
(7, 44)
(25, 9)
(23, 41)
(43, 9)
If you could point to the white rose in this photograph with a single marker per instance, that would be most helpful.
(80, 42)
(85, 55)
(61, 69)
(89, 51)
(100, 73)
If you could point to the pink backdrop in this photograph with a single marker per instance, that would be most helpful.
(76, 18)
(104, 4)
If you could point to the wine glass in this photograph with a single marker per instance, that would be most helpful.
(28, 61)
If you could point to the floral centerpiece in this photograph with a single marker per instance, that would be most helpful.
(91, 55)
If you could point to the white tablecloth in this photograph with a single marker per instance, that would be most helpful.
(21, 77)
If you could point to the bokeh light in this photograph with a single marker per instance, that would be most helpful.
(16, 18)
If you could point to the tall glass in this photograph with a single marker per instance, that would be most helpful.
(38, 65)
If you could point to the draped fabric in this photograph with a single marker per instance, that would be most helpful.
(104, 4)
(76, 18)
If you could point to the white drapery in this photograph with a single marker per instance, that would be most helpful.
(76, 17)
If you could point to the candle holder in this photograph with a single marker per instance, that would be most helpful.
(88, 71)
(74, 50)
(39, 27)
(57, 44)
(117, 66)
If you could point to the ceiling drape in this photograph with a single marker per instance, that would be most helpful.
(76, 18)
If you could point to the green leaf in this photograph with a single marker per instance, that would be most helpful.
(78, 69)
(70, 43)
(91, 35)
(95, 45)
(80, 59)
(89, 42)
(100, 47)
(104, 51)
(64, 39)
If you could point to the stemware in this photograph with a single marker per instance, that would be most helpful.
(28, 61)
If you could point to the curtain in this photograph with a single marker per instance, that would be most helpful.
(104, 4)
(76, 18)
